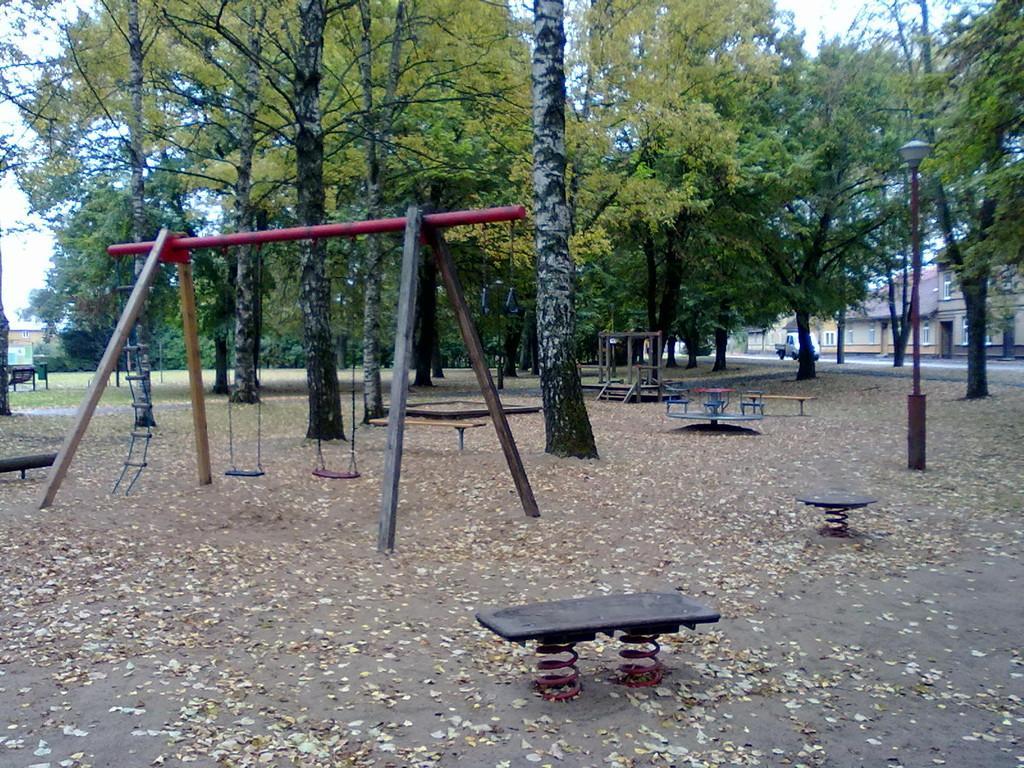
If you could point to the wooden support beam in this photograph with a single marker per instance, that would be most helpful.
(87, 407)
(190, 328)
(446, 265)
(400, 380)
(629, 358)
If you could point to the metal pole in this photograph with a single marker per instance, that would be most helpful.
(916, 401)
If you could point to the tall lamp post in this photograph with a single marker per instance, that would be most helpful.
(912, 153)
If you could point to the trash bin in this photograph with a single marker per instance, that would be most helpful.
(42, 374)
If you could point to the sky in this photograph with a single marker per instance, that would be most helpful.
(26, 244)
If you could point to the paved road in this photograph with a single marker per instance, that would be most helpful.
(999, 371)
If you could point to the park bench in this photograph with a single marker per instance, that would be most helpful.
(801, 398)
(23, 463)
(558, 625)
(22, 374)
(456, 424)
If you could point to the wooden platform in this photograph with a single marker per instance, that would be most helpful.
(462, 409)
(23, 463)
(457, 424)
(570, 621)
(715, 417)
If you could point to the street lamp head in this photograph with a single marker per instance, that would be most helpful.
(914, 151)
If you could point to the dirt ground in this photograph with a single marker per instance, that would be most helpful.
(252, 623)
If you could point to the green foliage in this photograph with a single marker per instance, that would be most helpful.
(718, 176)
(980, 145)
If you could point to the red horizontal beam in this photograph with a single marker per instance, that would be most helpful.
(179, 248)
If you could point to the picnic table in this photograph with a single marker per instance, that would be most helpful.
(558, 625)
(836, 505)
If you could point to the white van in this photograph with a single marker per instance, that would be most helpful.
(792, 346)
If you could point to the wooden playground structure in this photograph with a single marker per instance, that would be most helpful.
(643, 379)
(418, 229)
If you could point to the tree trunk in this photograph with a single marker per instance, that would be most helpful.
(651, 262)
(977, 374)
(5, 405)
(247, 272)
(672, 284)
(426, 307)
(721, 341)
(377, 123)
(436, 363)
(841, 337)
(137, 160)
(567, 426)
(803, 328)
(692, 347)
(220, 364)
(899, 319)
(670, 349)
(513, 333)
(529, 352)
(325, 421)
(975, 290)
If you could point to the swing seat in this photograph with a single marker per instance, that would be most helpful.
(245, 473)
(329, 474)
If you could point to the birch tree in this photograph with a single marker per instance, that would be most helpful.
(378, 121)
(567, 425)
(325, 421)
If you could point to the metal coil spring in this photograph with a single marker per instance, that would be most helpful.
(559, 679)
(642, 668)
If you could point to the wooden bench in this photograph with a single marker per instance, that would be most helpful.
(456, 424)
(23, 463)
(801, 398)
(557, 626)
(22, 374)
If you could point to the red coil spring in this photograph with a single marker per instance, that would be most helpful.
(642, 668)
(560, 680)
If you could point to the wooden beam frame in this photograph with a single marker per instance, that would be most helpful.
(190, 328)
(87, 407)
(400, 375)
(400, 380)
(446, 266)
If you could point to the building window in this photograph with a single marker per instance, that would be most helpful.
(871, 334)
(963, 330)
(947, 285)
(830, 338)
(25, 334)
(926, 332)
(849, 335)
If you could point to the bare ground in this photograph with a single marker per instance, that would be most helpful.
(252, 623)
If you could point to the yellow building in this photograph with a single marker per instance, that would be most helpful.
(868, 327)
(943, 321)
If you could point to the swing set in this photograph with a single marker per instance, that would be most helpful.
(418, 228)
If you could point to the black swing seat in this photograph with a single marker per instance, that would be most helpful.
(244, 473)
